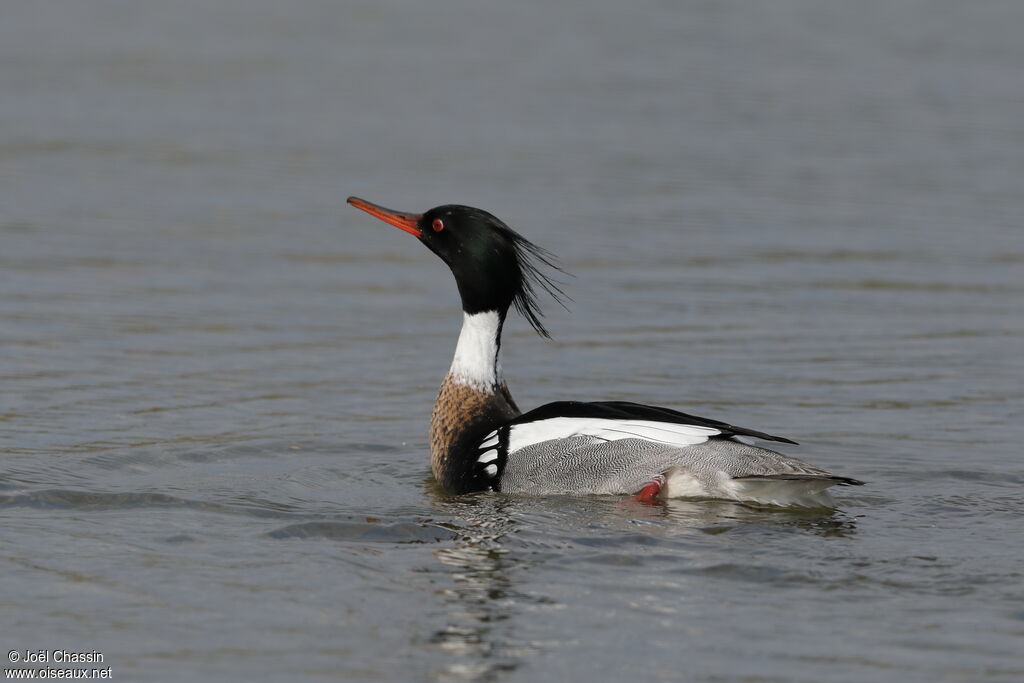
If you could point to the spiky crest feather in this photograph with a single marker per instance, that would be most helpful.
(531, 259)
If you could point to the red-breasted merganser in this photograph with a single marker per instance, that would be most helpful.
(479, 439)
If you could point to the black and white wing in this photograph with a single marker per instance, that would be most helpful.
(614, 447)
(627, 412)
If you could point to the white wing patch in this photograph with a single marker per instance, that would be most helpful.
(488, 456)
(490, 440)
(529, 433)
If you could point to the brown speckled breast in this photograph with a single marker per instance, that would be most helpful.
(458, 410)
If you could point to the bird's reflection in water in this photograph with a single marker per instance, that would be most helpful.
(717, 516)
(684, 516)
(482, 600)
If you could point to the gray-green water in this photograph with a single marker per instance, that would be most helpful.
(797, 216)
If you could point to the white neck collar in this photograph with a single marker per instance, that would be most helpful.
(476, 361)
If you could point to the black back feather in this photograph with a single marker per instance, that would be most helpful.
(626, 410)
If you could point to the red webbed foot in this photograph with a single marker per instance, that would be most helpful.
(648, 495)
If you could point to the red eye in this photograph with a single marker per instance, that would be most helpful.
(438, 225)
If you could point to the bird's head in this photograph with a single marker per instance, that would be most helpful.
(494, 266)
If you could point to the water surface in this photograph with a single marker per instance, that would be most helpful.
(798, 217)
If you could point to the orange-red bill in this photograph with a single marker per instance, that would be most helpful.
(403, 221)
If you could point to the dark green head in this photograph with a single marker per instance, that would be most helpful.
(494, 266)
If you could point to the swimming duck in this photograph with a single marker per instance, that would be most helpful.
(480, 440)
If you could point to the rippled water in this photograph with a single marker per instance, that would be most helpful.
(795, 216)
